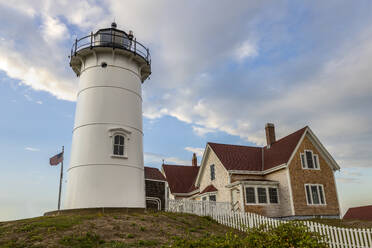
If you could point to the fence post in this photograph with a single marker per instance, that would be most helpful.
(369, 235)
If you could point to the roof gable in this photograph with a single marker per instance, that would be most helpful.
(152, 173)
(319, 146)
(180, 178)
(250, 158)
(281, 150)
(208, 189)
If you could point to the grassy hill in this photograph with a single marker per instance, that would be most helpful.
(108, 230)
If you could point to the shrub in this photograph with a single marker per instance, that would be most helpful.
(288, 235)
(291, 234)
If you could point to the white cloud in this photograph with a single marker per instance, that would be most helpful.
(38, 77)
(32, 149)
(322, 78)
(201, 131)
(53, 30)
(247, 49)
(198, 150)
(39, 102)
(153, 158)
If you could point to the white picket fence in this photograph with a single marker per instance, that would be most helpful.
(222, 213)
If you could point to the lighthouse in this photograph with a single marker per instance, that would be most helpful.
(106, 167)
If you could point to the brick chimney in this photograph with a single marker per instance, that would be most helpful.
(194, 160)
(270, 134)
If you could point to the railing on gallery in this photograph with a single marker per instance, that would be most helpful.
(223, 214)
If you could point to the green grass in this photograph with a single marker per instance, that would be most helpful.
(82, 241)
(154, 229)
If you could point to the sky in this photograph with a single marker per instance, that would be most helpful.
(220, 71)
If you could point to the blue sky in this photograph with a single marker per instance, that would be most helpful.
(220, 71)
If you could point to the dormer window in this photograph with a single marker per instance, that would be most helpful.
(309, 160)
(119, 145)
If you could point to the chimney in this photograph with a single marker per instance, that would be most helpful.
(270, 134)
(194, 160)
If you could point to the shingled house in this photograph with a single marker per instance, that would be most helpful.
(292, 177)
(155, 185)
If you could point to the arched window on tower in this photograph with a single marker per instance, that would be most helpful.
(119, 143)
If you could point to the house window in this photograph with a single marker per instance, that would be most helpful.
(213, 173)
(315, 194)
(204, 198)
(250, 195)
(212, 198)
(309, 160)
(273, 195)
(262, 197)
(119, 145)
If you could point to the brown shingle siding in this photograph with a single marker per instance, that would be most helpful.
(299, 177)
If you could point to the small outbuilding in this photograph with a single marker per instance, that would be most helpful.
(155, 185)
(359, 213)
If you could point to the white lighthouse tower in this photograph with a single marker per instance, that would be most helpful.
(106, 166)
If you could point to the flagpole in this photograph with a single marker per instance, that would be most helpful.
(60, 180)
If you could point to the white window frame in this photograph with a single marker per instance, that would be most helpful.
(312, 200)
(314, 157)
(256, 194)
(123, 132)
(209, 196)
(214, 172)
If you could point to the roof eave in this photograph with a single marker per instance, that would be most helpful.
(253, 182)
(268, 171)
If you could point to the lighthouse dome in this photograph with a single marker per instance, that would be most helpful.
(112, 37)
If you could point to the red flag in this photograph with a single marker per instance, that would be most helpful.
(55, 160)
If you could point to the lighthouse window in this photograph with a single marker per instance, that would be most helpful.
(119, 145)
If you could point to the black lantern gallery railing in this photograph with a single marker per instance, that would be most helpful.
(111, 38)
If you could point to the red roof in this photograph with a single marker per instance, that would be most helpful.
(281, 150)
(180, 178)
(235, 157)
(359, 213)
(209, 188)
(153, 174)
